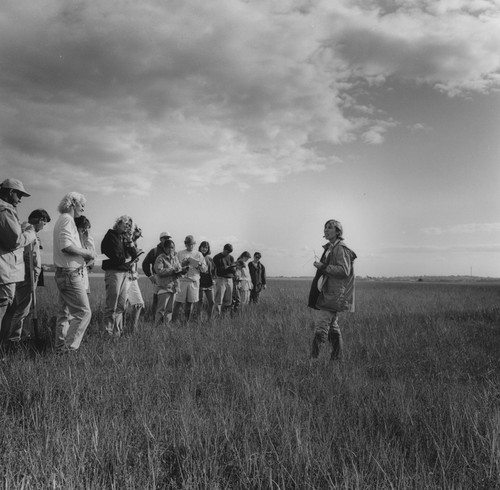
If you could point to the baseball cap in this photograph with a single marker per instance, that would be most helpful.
(14, 184)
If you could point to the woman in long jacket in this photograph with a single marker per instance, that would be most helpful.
(332, 290)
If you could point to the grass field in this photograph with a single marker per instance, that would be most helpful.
(237, 404)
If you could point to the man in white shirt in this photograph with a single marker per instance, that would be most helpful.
(74, 313)
(190, 283)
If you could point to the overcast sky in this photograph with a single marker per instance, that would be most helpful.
(254, 121)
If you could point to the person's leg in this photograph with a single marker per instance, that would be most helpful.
(161, 305)
(136, 304)
(76, 307)
(123, 285)
(209, 293)
(322, 320)
(7, 295)
(335, 338)
(176, 310)
(22, 310)
(220, 289)
(112, 287)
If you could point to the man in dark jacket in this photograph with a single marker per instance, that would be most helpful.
(149, 262)
(258, 275)
(224, 268)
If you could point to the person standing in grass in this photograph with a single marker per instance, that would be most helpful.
(207, 280)
(332, 290)
(224, 268)
(70, 257)
(13, 238)
(167, 269)
(258, 275)
(245, 284)
(121, 252)
(190, 283)
(134, 295)
(149, 262)
(38, 219)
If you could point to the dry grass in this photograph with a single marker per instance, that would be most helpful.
(237, 404)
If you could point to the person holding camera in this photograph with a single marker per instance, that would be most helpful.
(119, 247)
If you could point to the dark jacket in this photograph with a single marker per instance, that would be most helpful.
(120, 255)
(150, 259)
(258, 275)
(223, 265)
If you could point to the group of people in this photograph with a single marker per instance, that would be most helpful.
(186, 283)
(183, 280)
(191, 282)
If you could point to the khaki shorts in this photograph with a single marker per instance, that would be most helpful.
(189, 292)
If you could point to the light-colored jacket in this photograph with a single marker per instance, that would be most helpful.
(334, 284)
(165, 268)
(12, 242)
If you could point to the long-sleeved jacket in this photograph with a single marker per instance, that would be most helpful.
(166, 268)
(120, 256)
(335, 291)
(223, 265)
(149, 261)
(258, 275)
(12, 242)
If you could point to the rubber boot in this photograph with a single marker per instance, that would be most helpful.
(335, 339)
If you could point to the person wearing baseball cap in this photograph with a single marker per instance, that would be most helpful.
(14, 236)
(148, 265)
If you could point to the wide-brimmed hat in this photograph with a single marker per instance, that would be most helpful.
(16, 185)
(165, 234)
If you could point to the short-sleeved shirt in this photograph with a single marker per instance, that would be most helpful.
(66, 234)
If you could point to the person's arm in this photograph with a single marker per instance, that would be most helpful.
(339, 264)
(148, 262)
(82, 252)
(13, 236)
(67, 244)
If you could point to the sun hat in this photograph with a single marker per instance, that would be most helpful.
(14, 184)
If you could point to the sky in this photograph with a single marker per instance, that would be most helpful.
(253, 122)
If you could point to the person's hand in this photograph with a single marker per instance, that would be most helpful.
(88, 255)
(264, 286)
(319, 265)
(152, 278)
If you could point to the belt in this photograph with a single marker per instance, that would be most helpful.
(69, 269)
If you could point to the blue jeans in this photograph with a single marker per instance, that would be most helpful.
(74, 313)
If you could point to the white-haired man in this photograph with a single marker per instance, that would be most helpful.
(13, 238)
(74, 313)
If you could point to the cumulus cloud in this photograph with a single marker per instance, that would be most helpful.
(211, 93)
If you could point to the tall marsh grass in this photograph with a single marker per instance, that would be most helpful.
(237, 404)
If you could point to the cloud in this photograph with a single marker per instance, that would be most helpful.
(213, 93)
(468, 228)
